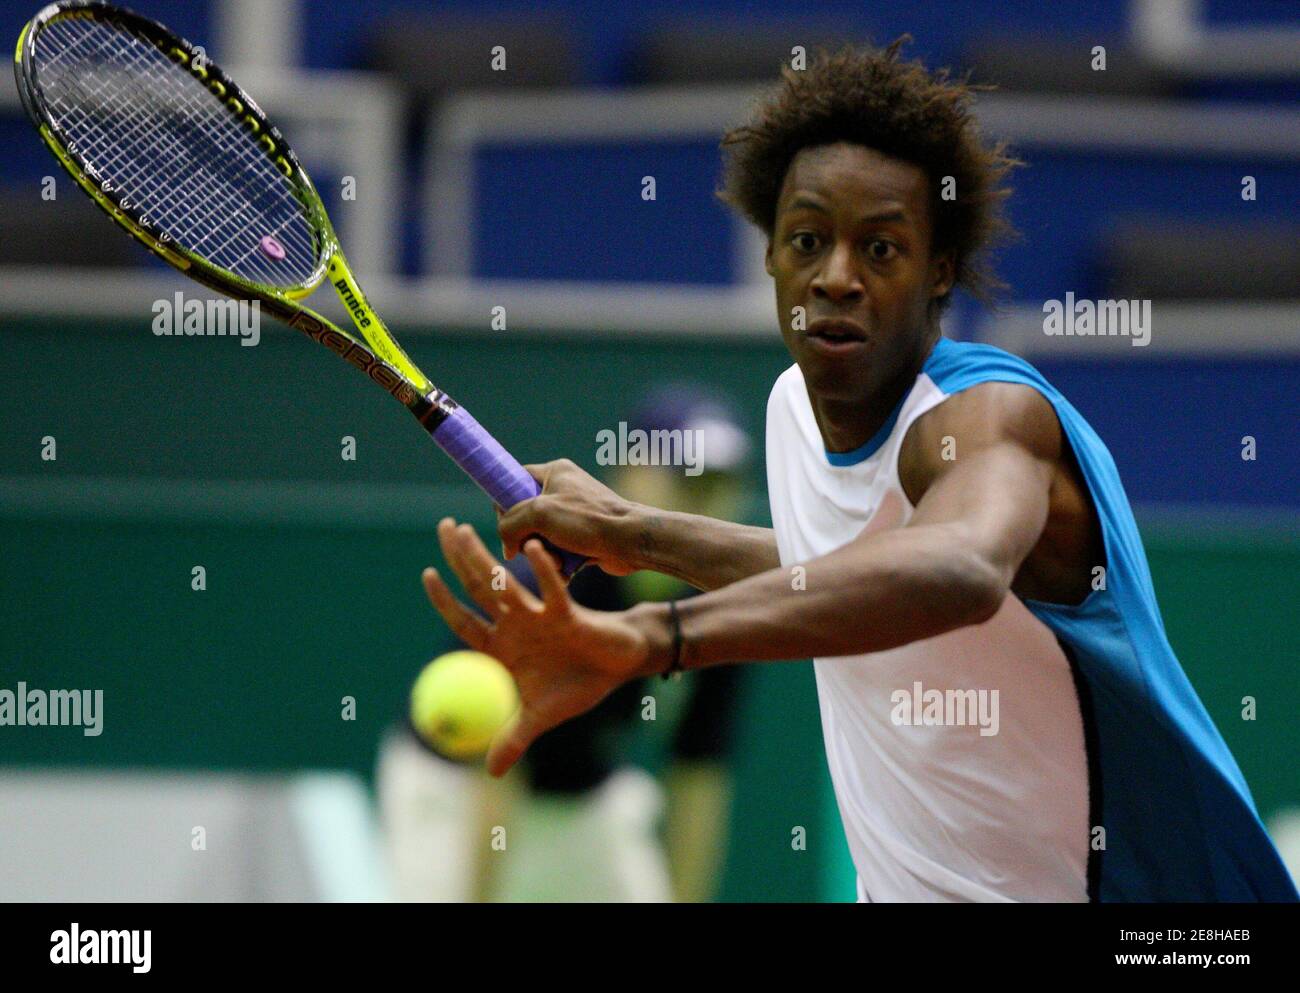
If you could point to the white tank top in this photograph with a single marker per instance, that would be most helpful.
(935, 806)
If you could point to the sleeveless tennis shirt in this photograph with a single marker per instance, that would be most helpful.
(1052, 753)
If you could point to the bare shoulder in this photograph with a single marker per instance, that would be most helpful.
(987, 415)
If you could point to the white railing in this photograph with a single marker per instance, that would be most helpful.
(437, 306)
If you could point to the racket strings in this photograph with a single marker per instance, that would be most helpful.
(167, 198)
(218, 211)
(146, 128)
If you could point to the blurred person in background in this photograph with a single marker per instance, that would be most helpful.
(583, 823)
(697, 712)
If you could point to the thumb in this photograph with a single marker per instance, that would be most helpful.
(512, 741)
(516, 525)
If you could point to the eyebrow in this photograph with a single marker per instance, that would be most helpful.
(802, 201)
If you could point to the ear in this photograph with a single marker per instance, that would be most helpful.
(767, 258)
(943, 273)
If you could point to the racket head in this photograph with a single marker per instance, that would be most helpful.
(174, 150)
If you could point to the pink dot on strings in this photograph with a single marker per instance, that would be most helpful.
(271, 247)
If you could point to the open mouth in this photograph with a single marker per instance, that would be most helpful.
(836, 332)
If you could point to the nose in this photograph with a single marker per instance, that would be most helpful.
(838, 278)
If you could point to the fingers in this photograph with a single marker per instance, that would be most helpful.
(488, 583)
(515, 525)
(554, 591)
(509, 590)
(464, 624)
(478, 587)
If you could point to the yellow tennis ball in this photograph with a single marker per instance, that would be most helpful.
(460, 701)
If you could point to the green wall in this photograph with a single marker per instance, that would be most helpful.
(175, 453)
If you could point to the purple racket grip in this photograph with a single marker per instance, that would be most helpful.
(496, 471)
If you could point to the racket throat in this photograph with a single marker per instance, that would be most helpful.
(367, 322)
(434, 408)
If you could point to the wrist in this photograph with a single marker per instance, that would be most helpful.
(631, 528)
(653, 623)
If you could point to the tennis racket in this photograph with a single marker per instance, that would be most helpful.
(182, 158)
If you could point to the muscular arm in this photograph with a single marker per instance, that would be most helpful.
(977, 518)
(980, 517)
(703, 551)
(580, 514)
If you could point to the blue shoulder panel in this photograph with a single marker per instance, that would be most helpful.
(1179, 821)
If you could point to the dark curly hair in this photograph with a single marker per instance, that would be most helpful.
(871, 97)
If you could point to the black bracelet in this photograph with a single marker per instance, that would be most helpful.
(676, 622)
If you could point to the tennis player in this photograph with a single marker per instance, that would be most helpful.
(1003, 715)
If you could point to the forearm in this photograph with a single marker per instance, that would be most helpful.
(705, 552)
(871, 595)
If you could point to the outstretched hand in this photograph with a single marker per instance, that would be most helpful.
(565, 658)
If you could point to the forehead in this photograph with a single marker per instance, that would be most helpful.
(847, 176)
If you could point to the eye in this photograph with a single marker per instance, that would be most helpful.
(805, 242)
(881, 250)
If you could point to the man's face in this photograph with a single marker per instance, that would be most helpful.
(851, 246)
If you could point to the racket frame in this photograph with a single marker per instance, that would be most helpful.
(376, 352)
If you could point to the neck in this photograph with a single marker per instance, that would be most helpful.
(846, 425)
